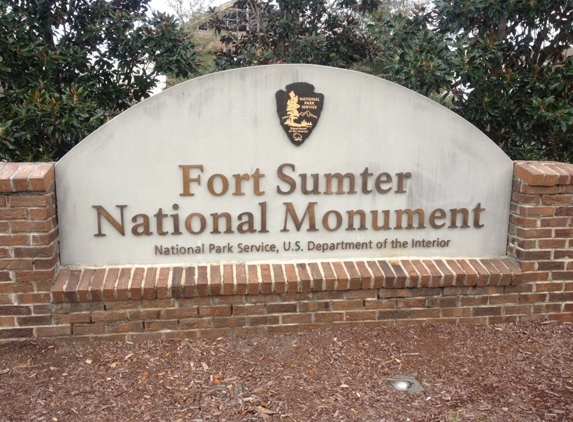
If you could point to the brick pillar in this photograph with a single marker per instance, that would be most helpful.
(541, 231)
(29, 255)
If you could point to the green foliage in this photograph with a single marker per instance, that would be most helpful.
(68, 66)
(294, 31)
(507, 67)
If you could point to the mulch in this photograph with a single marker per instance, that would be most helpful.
(506, 373)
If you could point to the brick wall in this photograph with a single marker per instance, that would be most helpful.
(28, 248)
(535, 280)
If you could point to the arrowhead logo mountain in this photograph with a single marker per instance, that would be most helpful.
(299, 108)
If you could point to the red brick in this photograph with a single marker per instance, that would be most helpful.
(15, 310)
(456, 312)
(54, 331)
(483, 273)
(6, 172)
(215, 279)
(529, 174)
(262, 298)
(487, 311)
(202, 280)
(549, 287)
(281, 308)
(29, 201)
(282, 329)
(228, 280)
(321, 317)
(414, 278)
(315, 306)
(361, 316)
(278, 277)
(44, 238)
(500, 299)
(380, 304)
(517, 309)
(411, 303)
(89, 329)
(532, 298)
(347, 304)
(215, 310)
(143, 314)
(341, 276)
(296, 319)
(561, 297)
(31, 226)
(16, 264)
(474, 300)
(329, 276)
(316, 275)
(229, 322)
(425, 313)
(20, 177)
(267, 280)
(249, 309)
(59, 286)
(364, 274)
(176, 280)
(362, 294)
(122, 286)
(241, 279)
(126, 327)
(11, 333)
(109, 284)
(425, 291)
(425, 275)
(97, 284)
(253, 279)
(180, 313)
(354, 278)
(393, 314)
(227, 300)
(195, 323)
(42, 177)
(101, 316)
(160, 325)
(29, 298)
(13, 213)
(149, 283)
(460, 277)
(378, 276)
(563, 254)
(42, 213)
(35, 275)
(304, 277)
(263, 319)
(189, 285)
(392, 276)
(442, 302)
(74, 318)
(523, 221)
(388, 293)
(544, 308)
(471, 273)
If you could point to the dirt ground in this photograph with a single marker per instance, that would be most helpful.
(468, 373)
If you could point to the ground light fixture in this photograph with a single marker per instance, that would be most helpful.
(405, 383)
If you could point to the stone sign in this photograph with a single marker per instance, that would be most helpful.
(287, 162)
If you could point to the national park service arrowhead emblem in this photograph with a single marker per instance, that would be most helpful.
(299, 108)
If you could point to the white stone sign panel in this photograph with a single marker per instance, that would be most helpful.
(286, 162)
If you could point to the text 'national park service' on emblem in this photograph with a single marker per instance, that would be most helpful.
(299, 109)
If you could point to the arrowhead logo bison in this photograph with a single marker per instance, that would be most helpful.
(299, 108)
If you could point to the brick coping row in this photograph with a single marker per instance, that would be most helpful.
(94, 284)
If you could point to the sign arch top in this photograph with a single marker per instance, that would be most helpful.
(284, 162)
